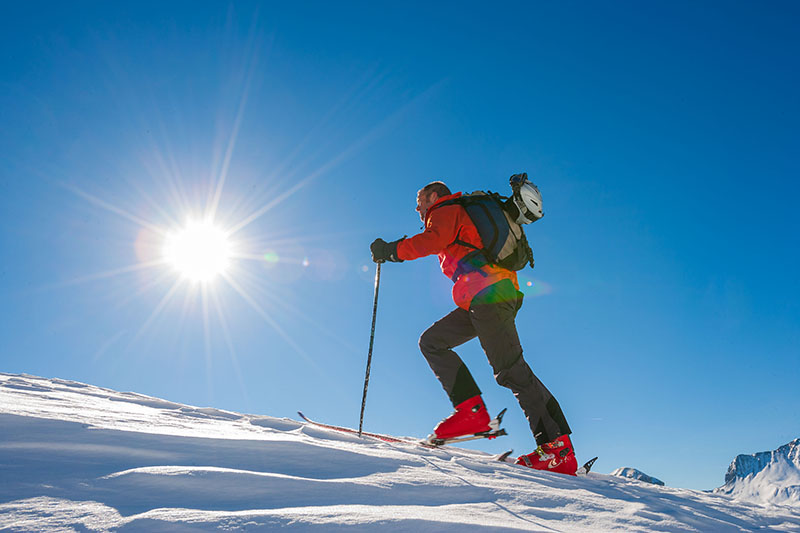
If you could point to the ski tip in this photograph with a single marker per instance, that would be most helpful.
(505, 455)
(587, 466)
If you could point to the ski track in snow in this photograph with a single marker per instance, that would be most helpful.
(75, 457)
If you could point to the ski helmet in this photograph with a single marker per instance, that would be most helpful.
(527, 198)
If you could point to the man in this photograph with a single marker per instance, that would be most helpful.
(487, 298)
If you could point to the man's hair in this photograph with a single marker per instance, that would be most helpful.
(438, 187)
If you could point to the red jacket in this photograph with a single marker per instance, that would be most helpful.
(443, 226)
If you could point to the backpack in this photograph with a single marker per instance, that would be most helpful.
(504, 241)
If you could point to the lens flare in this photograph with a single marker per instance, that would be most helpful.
(533, 288)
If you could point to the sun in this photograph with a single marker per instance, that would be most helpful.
(198, 252)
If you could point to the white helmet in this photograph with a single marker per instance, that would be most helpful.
(527, 198)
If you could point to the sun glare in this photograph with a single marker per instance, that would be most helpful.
(199, 252)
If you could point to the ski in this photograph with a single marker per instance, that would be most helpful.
(587, 466)
(482, 435)
(379, 436)
(503, 456)
(427, 443)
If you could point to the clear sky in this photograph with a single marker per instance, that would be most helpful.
(664, 310)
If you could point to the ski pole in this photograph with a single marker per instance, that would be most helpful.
(371, 341)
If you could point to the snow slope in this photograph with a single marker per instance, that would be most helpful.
(74, 457)
(766, 476)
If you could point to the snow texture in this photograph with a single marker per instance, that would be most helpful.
(75, 457)
(766, 476)
(632, 473)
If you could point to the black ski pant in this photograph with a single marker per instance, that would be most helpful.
(491, 319)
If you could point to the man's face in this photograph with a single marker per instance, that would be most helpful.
(424, 201)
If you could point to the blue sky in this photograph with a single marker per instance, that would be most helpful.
(663, 311)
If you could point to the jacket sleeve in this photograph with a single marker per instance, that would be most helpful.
(440, 231)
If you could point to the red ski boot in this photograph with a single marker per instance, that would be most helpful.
(556, 456)
(470, 417)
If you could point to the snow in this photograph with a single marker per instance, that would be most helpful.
(633, 473)
(766, 476)
(75, 457)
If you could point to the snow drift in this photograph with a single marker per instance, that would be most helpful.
(78, 457)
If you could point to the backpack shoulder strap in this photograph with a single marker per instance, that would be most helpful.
(463, 201)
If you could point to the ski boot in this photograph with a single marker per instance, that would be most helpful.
(469, 421)
(555, 456)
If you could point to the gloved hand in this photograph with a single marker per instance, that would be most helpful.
(385, 251)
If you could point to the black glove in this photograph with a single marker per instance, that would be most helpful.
(385, 251)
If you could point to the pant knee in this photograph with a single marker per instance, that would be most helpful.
(427, 341)
(518, 376)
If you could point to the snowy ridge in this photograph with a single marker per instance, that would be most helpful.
(633, 473)
(78, 457)
(766, 476)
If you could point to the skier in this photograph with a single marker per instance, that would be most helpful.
(487, 298)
